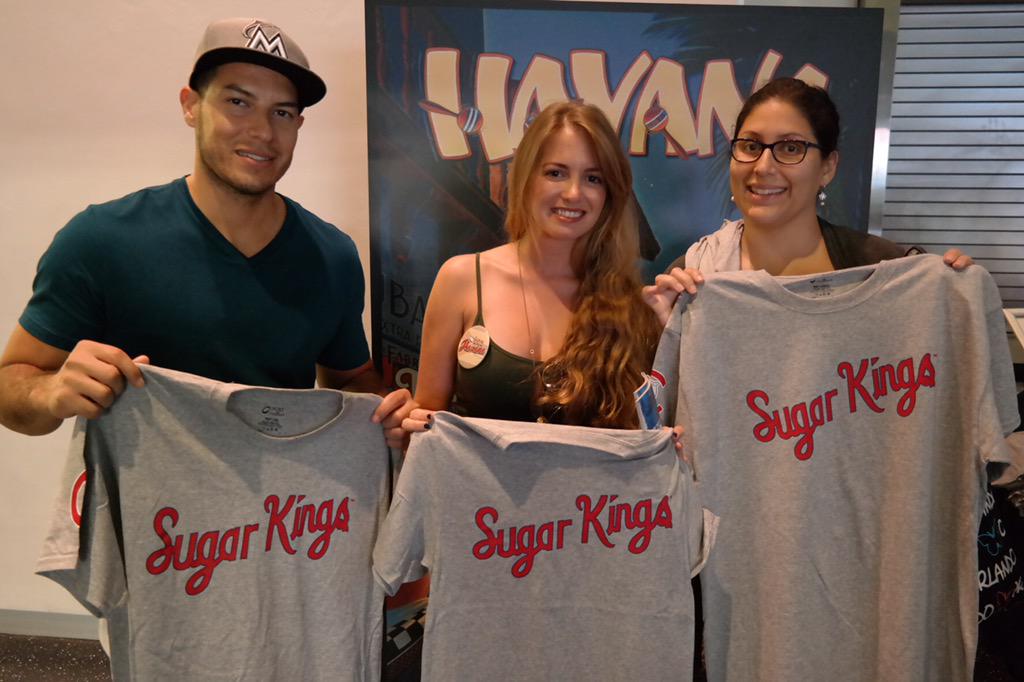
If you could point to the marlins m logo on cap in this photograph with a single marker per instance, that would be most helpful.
(258, 40)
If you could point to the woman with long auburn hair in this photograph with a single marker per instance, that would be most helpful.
(551, 325)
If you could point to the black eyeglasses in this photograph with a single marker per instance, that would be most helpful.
(783, 151)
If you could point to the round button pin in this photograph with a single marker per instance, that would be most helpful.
(473, 346)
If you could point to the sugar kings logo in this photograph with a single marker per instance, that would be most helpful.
(291, 522)
(603, 520)
(867, 383)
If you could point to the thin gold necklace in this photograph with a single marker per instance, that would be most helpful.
(526, 312)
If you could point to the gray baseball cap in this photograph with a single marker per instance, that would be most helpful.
(257, 42)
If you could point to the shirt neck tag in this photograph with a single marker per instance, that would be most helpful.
(473, 346)
(820, 287)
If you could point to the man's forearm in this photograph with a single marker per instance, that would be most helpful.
(366, 382)
(362, 379)
(21, 407)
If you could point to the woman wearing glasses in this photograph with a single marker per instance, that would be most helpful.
(783, 158)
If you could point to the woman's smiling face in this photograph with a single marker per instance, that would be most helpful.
(768, 193)
(568, 191)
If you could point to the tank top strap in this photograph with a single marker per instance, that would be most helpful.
(479, 321)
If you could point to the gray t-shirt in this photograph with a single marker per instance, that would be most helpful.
(840, 425)
(555, 552)
(226, 531)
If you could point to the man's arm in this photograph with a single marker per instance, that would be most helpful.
(42, 385)
(361, 379)
(395, 406)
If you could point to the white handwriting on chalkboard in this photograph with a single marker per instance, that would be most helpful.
(995, 573)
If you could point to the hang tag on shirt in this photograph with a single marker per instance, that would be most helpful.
(473, 346)
(648, 400)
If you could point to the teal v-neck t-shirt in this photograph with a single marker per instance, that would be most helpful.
(149, 274)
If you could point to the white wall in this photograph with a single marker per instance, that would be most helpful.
(90, 113)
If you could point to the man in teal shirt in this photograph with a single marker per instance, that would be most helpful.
(214, 274)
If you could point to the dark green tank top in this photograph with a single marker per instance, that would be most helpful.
(501, 386)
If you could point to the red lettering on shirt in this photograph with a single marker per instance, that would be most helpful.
(289, 521)
(604, 517)
(524, 542)
(868, 384)
(204, 552)
(77, 498)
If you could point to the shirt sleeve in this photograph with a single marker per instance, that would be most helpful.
(67, 302)
(348, 348)
(716, 252)
(998, 412)
(81, 551)
(701, 524)
(693, 256)
(1004, 385)
(398, 553)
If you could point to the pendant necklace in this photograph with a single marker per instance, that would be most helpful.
(526, 312)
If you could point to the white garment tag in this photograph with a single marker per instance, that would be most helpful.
(270, 419)
(473, 346)
(826, 284)
(820, 287)
(284, 413)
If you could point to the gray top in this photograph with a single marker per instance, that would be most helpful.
(555, 552)
(226, 531)
(720, 251)
(840, 425)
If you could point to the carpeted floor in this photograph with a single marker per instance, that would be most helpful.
(48, 659)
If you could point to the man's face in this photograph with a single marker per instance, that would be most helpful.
(247, 121)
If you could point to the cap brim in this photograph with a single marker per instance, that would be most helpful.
(308, 86)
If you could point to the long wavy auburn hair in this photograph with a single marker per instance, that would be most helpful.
(613, 333)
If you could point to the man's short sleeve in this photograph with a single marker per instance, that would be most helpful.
(67, 303)
(348, 348)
